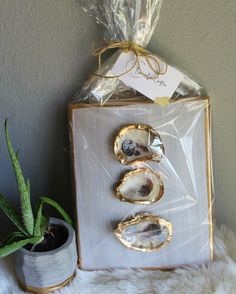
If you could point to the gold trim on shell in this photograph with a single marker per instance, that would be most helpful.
(121, 197)
(139, 219)
(122, 157)
(47, 289)
(142, 101)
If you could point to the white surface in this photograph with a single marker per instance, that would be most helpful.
(218, 278)
(163, 86)
(185, 201)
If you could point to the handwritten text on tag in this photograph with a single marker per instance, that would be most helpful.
(162, 86)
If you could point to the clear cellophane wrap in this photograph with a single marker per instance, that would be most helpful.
(101, 113)
(126, 20)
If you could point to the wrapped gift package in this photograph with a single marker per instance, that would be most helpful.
(141, 151)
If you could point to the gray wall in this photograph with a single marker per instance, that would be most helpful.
(45, 57)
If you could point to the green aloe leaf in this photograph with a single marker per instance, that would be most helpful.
(12, 213)
(44, 200)
(41, 222)
(44, 224)
(28, 185)
(38, 220)
(9, 249)
(58, 208)
(17, 154)
(13, 237)
(26, 208)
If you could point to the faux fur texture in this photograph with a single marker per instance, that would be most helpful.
(219, 277)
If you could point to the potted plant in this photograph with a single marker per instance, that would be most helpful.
(44, 248)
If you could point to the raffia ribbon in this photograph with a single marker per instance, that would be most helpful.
(152, 61)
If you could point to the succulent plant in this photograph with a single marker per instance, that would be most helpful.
(31, 227)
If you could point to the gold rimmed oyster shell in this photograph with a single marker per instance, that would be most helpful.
(138, 142)
(146, 233)
(140, 186)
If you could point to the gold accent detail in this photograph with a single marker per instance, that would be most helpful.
(121, 197)
(162, 101)
(139, 219)
(73, 182)
(47, 289)
(137, 50)
(209, 174)
(140, 101)
(122, 157)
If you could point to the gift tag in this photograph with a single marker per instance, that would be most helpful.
(162, 86)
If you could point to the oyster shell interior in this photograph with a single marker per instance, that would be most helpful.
(138, 142)
(146, 233)
(143, 186)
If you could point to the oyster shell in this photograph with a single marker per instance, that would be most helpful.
(143, 186)
(146, 233)
(138, 142)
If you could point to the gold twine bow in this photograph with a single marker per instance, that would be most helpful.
(152, 61)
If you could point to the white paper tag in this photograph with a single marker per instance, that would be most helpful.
(163, 86)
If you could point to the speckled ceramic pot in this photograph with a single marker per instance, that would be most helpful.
(42, 272)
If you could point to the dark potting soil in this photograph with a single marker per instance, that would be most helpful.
(55, 237)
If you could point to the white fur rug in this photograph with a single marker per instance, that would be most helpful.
(219, 277)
